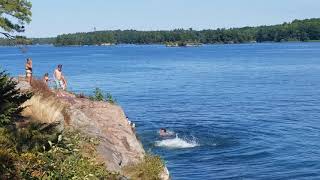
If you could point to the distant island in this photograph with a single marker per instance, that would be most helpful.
(297, 30)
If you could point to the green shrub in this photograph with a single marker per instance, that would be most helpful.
(7, 166)
(67, 159)
(110, 99)
(69, 156)
(99, 96)
(35, 137)
(149, 169)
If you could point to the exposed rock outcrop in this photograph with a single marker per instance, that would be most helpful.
(118, 145)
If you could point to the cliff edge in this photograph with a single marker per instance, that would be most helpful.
(118, 144)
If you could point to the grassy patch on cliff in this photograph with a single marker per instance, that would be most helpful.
(69, 155)
(149, 168)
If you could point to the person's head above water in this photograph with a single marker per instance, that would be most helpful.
(163, 130)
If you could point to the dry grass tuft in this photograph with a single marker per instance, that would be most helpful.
(66, 116)
(40, 87)
(44, 109)
(44, 106)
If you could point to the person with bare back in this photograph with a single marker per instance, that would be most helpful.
(60, 80)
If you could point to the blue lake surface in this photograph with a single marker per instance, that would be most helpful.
(248, 111)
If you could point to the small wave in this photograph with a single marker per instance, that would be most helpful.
(99, 54)
(177, 143)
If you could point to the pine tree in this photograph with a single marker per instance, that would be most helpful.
(11, 100)
(13, 15)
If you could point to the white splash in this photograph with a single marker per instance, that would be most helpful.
(177, 143)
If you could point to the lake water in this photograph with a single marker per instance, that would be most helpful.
(247, 111)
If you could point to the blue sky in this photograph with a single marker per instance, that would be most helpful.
(53, 17)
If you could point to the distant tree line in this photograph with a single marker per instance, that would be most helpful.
(21, 40)
(297, 30)
(17, 40)
(51, 40)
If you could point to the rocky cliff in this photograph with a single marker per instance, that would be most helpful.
(107, 122)
(119, 145)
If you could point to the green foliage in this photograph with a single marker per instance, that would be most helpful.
(70, 155)
(42, 40)
(35, 137)
(98, 95)
(148, 169)
(10, 100)
(111, 99)
(13, 15)
(73, 157)
(31, 138)
(7, 167)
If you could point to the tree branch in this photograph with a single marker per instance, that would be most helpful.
(7, 35)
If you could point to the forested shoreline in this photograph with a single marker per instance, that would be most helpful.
(297, 30)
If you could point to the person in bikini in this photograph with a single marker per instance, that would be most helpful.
(28, 68)
(61, 82)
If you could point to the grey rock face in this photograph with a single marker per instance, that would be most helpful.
(119, 145)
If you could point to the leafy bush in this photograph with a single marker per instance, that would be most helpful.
(69, 155)
(110, 99)
(35, 137)
(14, 142)
(99, 96)
(7, 167)
(66, 159)
(149, 169)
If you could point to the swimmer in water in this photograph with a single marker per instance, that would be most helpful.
(164, 133)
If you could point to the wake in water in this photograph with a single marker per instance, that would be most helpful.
(177, 143)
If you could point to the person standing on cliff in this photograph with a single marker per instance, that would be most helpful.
(60, 80)
(28, 68)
